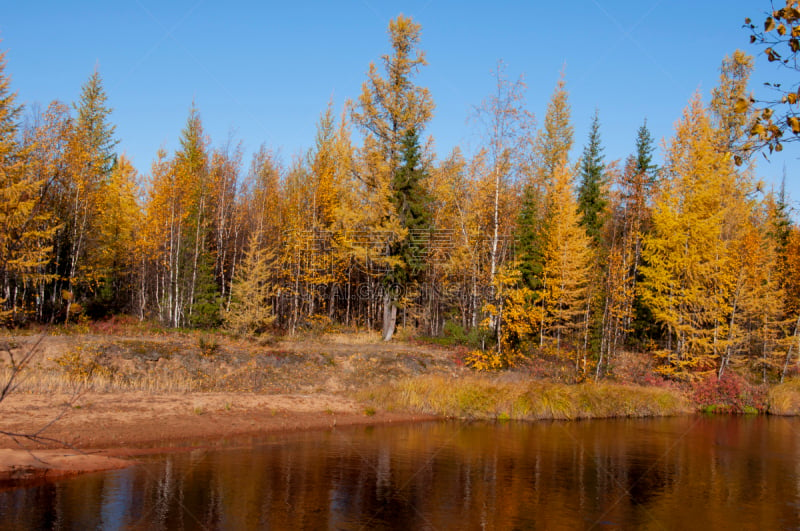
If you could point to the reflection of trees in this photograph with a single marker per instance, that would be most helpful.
(711, 472)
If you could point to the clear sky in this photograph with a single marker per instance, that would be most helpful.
(264, 71)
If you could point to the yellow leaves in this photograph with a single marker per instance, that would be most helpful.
(518, 317)
(769, 24)
(794, 123)
(390, 106)
(567, 259)
(741, 105)
(489, 360)
(689, 273)
(117, 218)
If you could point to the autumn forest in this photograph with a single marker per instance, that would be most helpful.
(516, 251)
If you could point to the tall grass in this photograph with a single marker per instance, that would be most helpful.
(477, 397)
(56, 381)
(784, 399)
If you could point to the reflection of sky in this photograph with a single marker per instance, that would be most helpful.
(117, 498)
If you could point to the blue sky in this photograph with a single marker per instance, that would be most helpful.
(264, 71)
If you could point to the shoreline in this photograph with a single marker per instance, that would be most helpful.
(108, 431)
(163, 393)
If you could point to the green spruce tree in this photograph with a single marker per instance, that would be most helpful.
(591, 192)
(643, 326)
(412, 204)
(530, 238)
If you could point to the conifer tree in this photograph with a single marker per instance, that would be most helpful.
(250, 310)
(554, 140)
(25, 227)
(638, 185)
(327, 172)
(113, 255)
(689, 282)
(592, 200)
(644, 156)
(551, 149)
(191, 167)
(530, 234)
(412, 205)
(387, 109)
(91, 158)
(207, 301)
(567, 261)
(593, 206)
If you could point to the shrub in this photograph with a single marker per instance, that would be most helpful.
(209, 346)
(81, 364)
(729, 394)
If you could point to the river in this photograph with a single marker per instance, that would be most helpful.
(693, 472)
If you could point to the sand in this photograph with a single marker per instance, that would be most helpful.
(99, 431)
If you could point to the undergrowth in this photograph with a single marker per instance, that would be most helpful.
(730, 394)
(477, 397)
(784, 399)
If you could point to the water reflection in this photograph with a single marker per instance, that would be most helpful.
(690, 472)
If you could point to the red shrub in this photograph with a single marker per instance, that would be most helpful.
(729, 394)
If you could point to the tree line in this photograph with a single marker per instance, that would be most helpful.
(518, 249)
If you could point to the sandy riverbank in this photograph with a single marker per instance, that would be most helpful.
(103, 431)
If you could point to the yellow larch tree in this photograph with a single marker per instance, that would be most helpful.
(690, 283)
(324, 262)
(89, 159)
(789, 271)
(46, 137)
(733, 119)
(554, 141)
(763, 299)
(568, 256)
(250, 310)
(258, 223)
(118, 217)
(25, 225)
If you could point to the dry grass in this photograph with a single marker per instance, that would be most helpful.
(217, 363)
(59, 382)
(369, 337)
(491, 398)
(784, 399)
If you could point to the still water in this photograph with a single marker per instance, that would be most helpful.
(678, 473)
